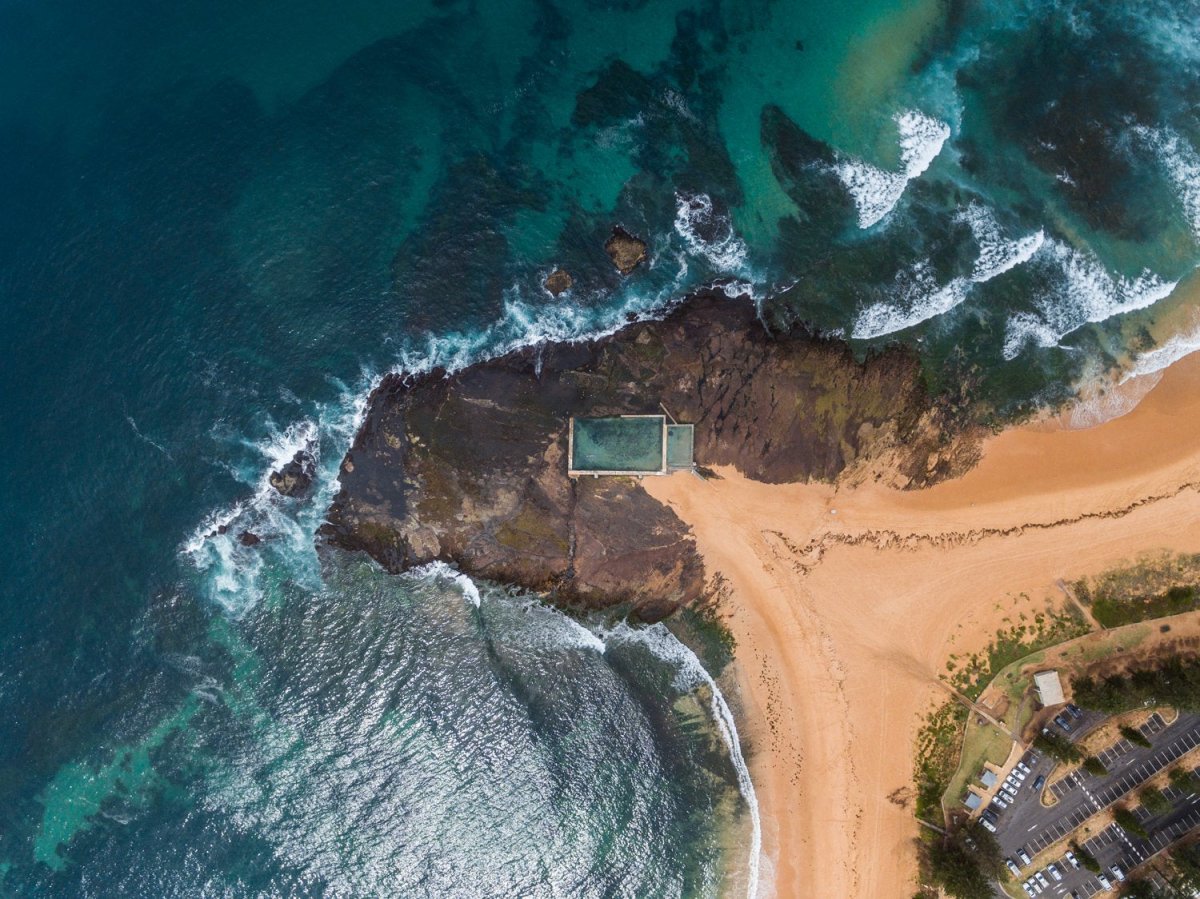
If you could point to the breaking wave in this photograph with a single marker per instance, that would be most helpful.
(692, 674)
(1086, 293)
(916, 295)
(724, 250)
(876, 191)
(1168, 353)
(1182, 164)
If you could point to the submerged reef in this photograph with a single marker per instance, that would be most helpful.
(470, 467)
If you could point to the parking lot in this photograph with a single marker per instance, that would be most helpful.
(1025, 824)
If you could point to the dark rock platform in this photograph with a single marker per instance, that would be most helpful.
(470, 468)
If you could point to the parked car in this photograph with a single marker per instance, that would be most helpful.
(1117, 873)
(1054, 872)
(999, 802)
(1072, 860)
(1074, 710)
(1104, 882)
(1023, 855)
(1024, 767)
(1041, 878)
(1012, 866)
(1039, 781)
(988, 824)
(1061, 721)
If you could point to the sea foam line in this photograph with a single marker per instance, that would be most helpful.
(691, 674)
(876, 191)
(1168, 353)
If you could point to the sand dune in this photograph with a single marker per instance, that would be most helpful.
(846, 604)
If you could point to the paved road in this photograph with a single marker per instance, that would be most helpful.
(1026, 823)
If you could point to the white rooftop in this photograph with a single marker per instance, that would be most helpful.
(1049, 688)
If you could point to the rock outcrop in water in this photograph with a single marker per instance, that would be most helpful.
(471, 468)
(625, 250)
(296, 476)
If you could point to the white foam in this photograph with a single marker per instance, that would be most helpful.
(916, 297)
(726, 252)
(1182, 164)
(997, 254)
(442, 571)
(691, 674)
(1168, 353)
(875, 191)
(1086, 293)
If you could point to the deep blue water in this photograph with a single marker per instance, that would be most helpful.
(218, 222)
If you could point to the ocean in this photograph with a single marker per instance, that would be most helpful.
(221, 223)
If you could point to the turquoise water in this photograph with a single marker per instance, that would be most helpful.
(220, 223)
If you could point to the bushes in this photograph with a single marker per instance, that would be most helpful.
(1093, 765)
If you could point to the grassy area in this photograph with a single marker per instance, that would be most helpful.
(981, 743)
(1015, 643)
(1154, 587)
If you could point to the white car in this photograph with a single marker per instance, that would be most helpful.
(1024, 767)
(1053, 869)
(1104, 882)
(1000, 803)
(1012, 866)
(1117, 872)
(1072, 860)
(1041, 878)
(988, 824)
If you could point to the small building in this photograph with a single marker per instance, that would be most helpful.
(1049, 688)
(973, 800)
(628, 445)
(987, 778)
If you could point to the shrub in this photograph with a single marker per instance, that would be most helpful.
(1093, 765)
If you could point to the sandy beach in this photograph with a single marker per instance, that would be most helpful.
(847, 603)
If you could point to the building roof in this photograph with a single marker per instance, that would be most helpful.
(973, 800)
(987, 778)
(1049, 688)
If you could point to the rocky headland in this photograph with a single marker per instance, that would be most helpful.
(470, 467)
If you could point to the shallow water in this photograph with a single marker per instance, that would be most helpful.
(220, 223)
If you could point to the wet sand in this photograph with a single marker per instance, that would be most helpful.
(846, 605)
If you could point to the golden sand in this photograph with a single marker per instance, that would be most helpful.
(847, 603)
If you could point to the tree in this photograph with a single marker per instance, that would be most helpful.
(1057, 747)
(1093, 765)
(1085, 858)
(1185, 780)
(1134, 736)
(1154, 801)
(1128, 821)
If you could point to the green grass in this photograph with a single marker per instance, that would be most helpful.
(1154, 587)
(981, 743)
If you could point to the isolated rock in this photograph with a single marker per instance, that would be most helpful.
(558, 281)
(296, 477)
(625, 250)
(249, 538)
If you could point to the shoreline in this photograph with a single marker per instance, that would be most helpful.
(847, 601)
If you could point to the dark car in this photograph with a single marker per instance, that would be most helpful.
(1075, 711)
(1061, 721)
(1039, 781)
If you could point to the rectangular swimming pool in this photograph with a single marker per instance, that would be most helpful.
(632, 444)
